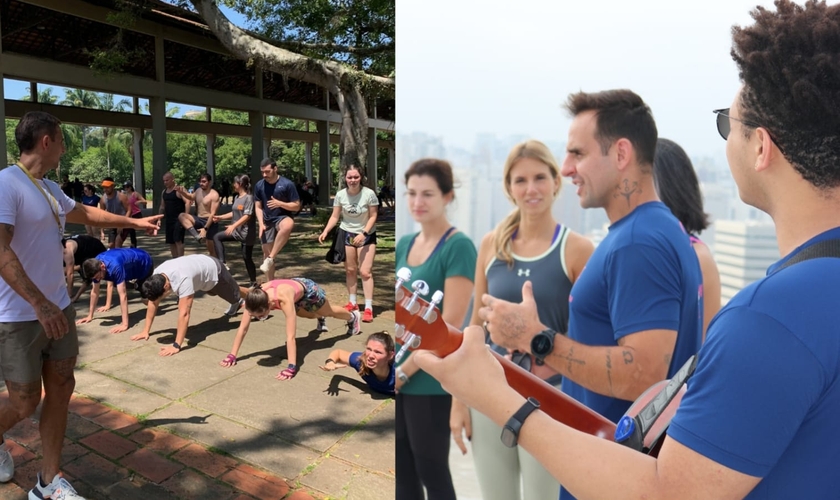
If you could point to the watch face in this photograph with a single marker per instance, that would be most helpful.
(508, 437)
(541, 345)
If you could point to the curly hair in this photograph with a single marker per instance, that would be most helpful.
(789, 63)
(620, 114)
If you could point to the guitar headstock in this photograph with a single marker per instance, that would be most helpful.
(419, 324)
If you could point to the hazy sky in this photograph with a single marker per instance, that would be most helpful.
(466, 67)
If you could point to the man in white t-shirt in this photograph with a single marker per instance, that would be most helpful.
(37, 331)
(184, 276)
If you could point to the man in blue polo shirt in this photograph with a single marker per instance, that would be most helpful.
(759, 417)
(116, 266)
(276, 202)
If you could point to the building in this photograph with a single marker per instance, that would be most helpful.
(743, 251)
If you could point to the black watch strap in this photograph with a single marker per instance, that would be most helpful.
(510, 432)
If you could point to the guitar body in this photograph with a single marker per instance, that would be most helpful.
(420, 325)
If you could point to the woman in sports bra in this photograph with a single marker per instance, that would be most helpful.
(528, 245)
(294, 297)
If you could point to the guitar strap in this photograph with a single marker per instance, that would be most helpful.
(632, 430)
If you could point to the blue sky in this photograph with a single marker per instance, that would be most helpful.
(16, 89)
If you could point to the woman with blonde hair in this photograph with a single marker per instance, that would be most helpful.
(528, 245)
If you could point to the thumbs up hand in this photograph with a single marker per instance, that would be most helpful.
(511, 325)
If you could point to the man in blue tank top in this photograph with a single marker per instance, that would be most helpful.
(759, 417)
(116, 266)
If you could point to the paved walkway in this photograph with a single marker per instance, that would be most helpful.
(145, 426)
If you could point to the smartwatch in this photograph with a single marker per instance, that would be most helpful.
(510, 432)
(542, 344)
(401, 375)
(365, 233)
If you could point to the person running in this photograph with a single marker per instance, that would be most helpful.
(244, 227)
(115, 202)
(293, 297)
(116, 266)
(37, 327)
(91, 199)
(172, 205)
(445, 259)
(276, 202)
(375, 365)
(134, 200)
(202, 227)
(77, 249)
(184, 276)
(357, 207)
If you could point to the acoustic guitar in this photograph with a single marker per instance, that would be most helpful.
(419, 325)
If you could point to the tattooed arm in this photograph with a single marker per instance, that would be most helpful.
(12, 271)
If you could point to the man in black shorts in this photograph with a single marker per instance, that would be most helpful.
(276, 202)
(77, 249)
(173, 204)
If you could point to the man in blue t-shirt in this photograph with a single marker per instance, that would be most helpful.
(276, 202)
(759, 417)
(635, 313)
(116, 266)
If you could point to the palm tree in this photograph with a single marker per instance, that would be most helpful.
(81, 98)
(46, 96)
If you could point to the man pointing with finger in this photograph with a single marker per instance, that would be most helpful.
(37, 334)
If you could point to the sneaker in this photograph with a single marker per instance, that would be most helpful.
(322, 325)
(235, 307)
(58, 489)
(353, 325)
(7, 464)
(351, 306)
(368, 316)
(267, 265)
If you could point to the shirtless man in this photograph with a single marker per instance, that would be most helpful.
(172, 205)
(206, 205)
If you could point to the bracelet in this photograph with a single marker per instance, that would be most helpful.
(176, 346)
(328, 360)
(401, 375)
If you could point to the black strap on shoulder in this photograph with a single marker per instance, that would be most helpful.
(827, 248)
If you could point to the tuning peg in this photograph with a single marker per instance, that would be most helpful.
(403, 275)
(411, 341)
(420, 287)
(436, 298)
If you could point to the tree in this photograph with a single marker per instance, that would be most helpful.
(81, 98)
(46, 96)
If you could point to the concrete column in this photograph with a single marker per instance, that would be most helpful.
(324, 173)
(257, 119)
(391, 163)
(371, 160)
(157, 108)
(308, 158)
(211, 156)
(3, 151)
(139, 173)
(33, 94)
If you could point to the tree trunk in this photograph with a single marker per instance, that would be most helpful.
(340, 80)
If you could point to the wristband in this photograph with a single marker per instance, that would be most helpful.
(401, 375)
(328, 360)
(176, 345)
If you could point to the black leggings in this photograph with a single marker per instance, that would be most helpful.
(247, 253)
(422, 447)
(132, 233)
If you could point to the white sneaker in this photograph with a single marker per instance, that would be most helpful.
(266, 265)
(234, 308)
(354, 326)
(7, 464)
(322, 325)
(58, 489)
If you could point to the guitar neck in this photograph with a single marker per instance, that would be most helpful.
(554, 403)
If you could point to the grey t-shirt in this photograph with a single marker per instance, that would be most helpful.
(244, 205)
(190, 273)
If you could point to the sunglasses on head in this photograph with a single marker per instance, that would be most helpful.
(724, 126)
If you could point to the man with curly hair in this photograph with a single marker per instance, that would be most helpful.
(758, 419)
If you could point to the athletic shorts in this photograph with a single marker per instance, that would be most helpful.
(174, 231)
(270, 233)
(201, 223)
(24, 347)
(226, 287)
(313, 295)
(369, 240)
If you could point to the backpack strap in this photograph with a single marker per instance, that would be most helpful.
(827, 248)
